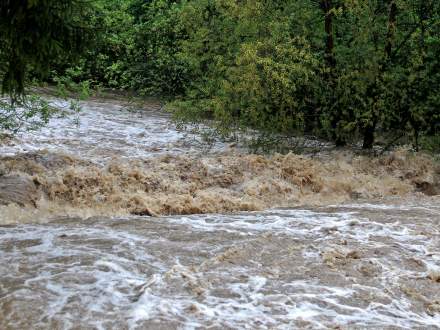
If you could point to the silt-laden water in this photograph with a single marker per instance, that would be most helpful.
(367, 265)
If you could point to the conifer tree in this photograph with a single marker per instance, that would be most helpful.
(35, 32)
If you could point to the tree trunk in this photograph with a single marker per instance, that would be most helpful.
(369, 136)
(369, 131)
(392, 21)
(327, 7)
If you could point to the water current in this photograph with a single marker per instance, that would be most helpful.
(372, 264)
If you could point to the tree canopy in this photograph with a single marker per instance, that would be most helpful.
(35, 33)
(351, 72)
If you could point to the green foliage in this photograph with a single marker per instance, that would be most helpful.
(29, 112)
(351, 72)
(33, 33)
(431, 143)
(106, 63)
(155, 68)
(247, 69)
(341, 70)
(135, 49)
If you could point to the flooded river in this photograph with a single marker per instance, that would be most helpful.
(311, 252)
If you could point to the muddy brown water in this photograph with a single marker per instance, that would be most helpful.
(371, 264)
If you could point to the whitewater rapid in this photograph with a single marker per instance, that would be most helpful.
(101, 130)
(356, 247)
(354, 266)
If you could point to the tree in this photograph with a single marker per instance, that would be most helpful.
(33, 33)
(347, 71)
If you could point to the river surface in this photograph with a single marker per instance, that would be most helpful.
(102, 130)
(367, 265)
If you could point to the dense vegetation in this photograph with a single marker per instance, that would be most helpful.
(34, 36)
(352, 72)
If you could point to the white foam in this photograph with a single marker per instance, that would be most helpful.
(89, 273)
(102, 131)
